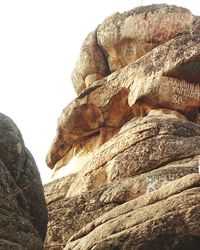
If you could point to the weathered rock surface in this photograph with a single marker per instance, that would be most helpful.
(165, 219)
(135, 135)
(123, 38)
(142, 145)
(23, 212)
(154, 81)
(146, 154)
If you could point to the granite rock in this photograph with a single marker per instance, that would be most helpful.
(124, 37)
(23, 211)
(131, 138)
(162, 78)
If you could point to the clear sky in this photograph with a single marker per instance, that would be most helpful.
(39, 43)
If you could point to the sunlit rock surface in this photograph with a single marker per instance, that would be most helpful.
(130, 142)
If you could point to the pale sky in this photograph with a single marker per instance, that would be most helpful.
(39, 43)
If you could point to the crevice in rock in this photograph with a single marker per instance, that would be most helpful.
(103, 52)
(153, 199)
(188, 71)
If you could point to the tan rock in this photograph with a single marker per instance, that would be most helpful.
(123, 38)
(143, 144)
(131, 139)
(146, 154)
(91, 64)
(89, 209)
(165, 219)
(166, 113)
(128, 36)
(133, 91)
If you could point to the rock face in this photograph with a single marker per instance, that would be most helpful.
(162, 78)
(134, 133)
(123, 38)
(165, 219)
(23, 212)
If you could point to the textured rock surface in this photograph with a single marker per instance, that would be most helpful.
(134, 132)
(154, 81)
(23, 212)
(165, 219)
(146, 154)
(123, 38)
(142, 145)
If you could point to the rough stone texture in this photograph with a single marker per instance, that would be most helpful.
(91, 65)
(149, 83)
(23, 212)
(123, 38)
(165, 219)
(134, 133)
(146, 154)
(142, 145)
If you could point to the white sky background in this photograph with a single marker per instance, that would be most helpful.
(39, 43)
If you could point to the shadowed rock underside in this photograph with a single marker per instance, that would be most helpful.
(23, 212)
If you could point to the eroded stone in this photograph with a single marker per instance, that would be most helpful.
(131, 138)
(132, 91)
(123, 38)
(23, 212)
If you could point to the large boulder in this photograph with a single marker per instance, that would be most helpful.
(133, 136)
(162, 78)
(124, 37)
(165, 219)
(145, 155)
(23, 212)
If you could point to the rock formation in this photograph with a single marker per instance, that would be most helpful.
(23, 212)
(134, 132)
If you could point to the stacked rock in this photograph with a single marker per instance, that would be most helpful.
(134, 132)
